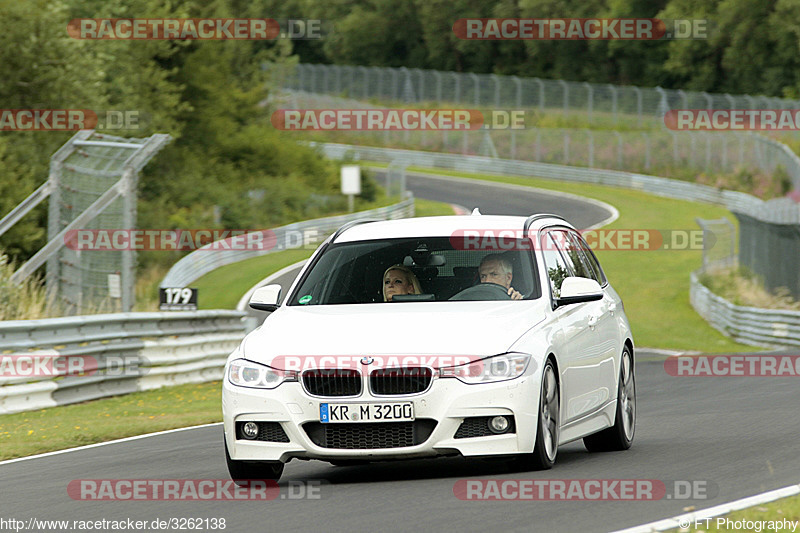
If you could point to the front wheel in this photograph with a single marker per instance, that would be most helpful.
(242, 471)
(619, 436)
(546, 448)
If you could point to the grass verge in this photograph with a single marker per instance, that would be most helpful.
(777, 511)
(45, 430)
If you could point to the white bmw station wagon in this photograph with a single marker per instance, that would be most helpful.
(472, 335)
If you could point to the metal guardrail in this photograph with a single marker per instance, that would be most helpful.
(780, 210)
(130, 351)
(751, 325)
(206, 259)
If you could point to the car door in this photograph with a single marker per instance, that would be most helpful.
(589, 369)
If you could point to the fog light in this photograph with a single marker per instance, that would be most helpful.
(250, 430)
(498, 424)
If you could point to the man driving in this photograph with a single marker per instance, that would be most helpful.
(495, 268)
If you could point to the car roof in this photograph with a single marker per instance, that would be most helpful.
(444, 226)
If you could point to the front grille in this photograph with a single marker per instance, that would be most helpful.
(478, 426)
(332, 382)
(388, 381)
(267, 431)
(370, 435)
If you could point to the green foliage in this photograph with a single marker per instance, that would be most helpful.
(753, 46)
(227, 168)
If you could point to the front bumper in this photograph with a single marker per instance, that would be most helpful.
(446, 404)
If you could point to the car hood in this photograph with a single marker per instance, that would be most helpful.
(473, 329)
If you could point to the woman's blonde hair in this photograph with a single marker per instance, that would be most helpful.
(410, 277)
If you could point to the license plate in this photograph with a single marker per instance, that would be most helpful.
(331, 413)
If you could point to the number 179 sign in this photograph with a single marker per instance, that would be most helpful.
(177, 299)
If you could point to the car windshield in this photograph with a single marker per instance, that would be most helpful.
(356, 272)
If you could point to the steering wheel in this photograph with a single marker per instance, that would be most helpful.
(483, 291)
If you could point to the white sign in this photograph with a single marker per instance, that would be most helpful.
(351, 179)
(115, 286)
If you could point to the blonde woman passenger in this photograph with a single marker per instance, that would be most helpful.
(399, 279)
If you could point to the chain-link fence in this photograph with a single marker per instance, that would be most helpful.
(92, 185)
(661, 152)
(719, 244)
(596, 102)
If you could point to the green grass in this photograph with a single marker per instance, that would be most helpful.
(785, 508)
(45, 430)
(222, 288)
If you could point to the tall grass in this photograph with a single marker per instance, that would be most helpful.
(27, 300)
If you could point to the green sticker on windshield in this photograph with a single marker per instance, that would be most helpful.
(305, 299)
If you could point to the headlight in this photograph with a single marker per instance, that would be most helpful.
(246, 373)
(492, 369)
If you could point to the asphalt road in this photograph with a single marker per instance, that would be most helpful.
(733, 434)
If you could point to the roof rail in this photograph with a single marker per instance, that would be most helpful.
(350, 224)
(533, 218)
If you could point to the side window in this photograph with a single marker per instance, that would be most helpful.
(557, 269)
(572, 254)
(588, 258)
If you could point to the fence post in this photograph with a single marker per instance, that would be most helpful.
(566, 147)
(457, 79)
(518, 83)
(646, 150)
(638, 92)
(496, 80)
(619, 149)
(421, 90)
(590, 96)
(128, 273)
(591, 148)
(566, 95)
(541, 93)
(477, 83)
(438, 76)
(614, 103)
(684, 98)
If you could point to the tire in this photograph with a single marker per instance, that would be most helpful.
(243, 471)
(548, 427)
(619, 436)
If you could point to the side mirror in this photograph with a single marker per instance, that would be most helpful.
(577, 290)
(266, 298)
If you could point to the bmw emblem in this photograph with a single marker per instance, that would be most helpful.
(367, 360)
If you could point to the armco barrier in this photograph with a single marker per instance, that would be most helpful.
(159, 349)
(780, 210)
(203, 261)
(751, 325)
